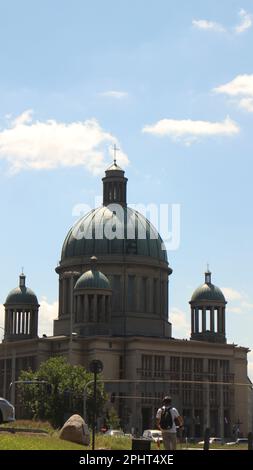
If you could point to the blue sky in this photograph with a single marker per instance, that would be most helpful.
(103, 72)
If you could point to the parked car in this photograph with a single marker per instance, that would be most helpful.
(213, 440)
(7, 411)
(114, 433)
(239, 441)
(152, 435)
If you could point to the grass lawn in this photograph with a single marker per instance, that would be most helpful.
(35, 442)
(51, 441)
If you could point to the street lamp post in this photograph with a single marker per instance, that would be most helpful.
(96, 367)
(5, 368)
(71, 275)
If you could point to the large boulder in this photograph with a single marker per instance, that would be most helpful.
(75, 430)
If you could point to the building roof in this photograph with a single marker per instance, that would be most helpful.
(114, 167)
(21, 295)
(93, 279)
(208, 291)
(135, 235)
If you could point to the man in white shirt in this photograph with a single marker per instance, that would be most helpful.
(169, 425)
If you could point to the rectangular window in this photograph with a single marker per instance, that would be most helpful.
(174, 375)
(159, 366)
(146, 365)
(175, 364)
(212, 366)
(186, 364)
(198, 366)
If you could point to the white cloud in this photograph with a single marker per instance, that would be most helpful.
(208, 25)
(240, 87)
(246, 22)
(231, 294)
(238, 302)
(180, 324)
(47, 313)
(37, 145)
(24, 118)
(115, 94)
(189, 130)
(246, 104)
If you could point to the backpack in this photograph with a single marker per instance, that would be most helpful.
(166, 421)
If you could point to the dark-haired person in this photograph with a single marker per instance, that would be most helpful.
(169, 433)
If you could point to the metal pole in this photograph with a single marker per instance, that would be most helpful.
(71, 315)
(94, 410)
(5, 367)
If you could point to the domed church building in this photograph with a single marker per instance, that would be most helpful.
(130, 253)
(114, 306)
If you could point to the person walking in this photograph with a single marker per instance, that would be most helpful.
(167, 420)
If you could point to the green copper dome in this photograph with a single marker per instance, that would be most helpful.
(87, 236)
(21, 295)
(92, 280)
(208, 291)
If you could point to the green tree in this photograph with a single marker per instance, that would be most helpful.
(61, 392)
(112, 419)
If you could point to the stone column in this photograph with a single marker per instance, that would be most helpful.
(103, 311)
(86, 308)
(192, 320)
(12, 321)
(223, 321)
(64, 296)
(15, 321)
(31, 323)
(196, 320)
(35, 313)
(6, 322)
(60, 298)
(166, 299)
(77, 308)
(203, 319)
(219, 328)
(95, 309)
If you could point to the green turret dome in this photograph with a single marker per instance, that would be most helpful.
(93, 279)
(21, 295)
(208, 291)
